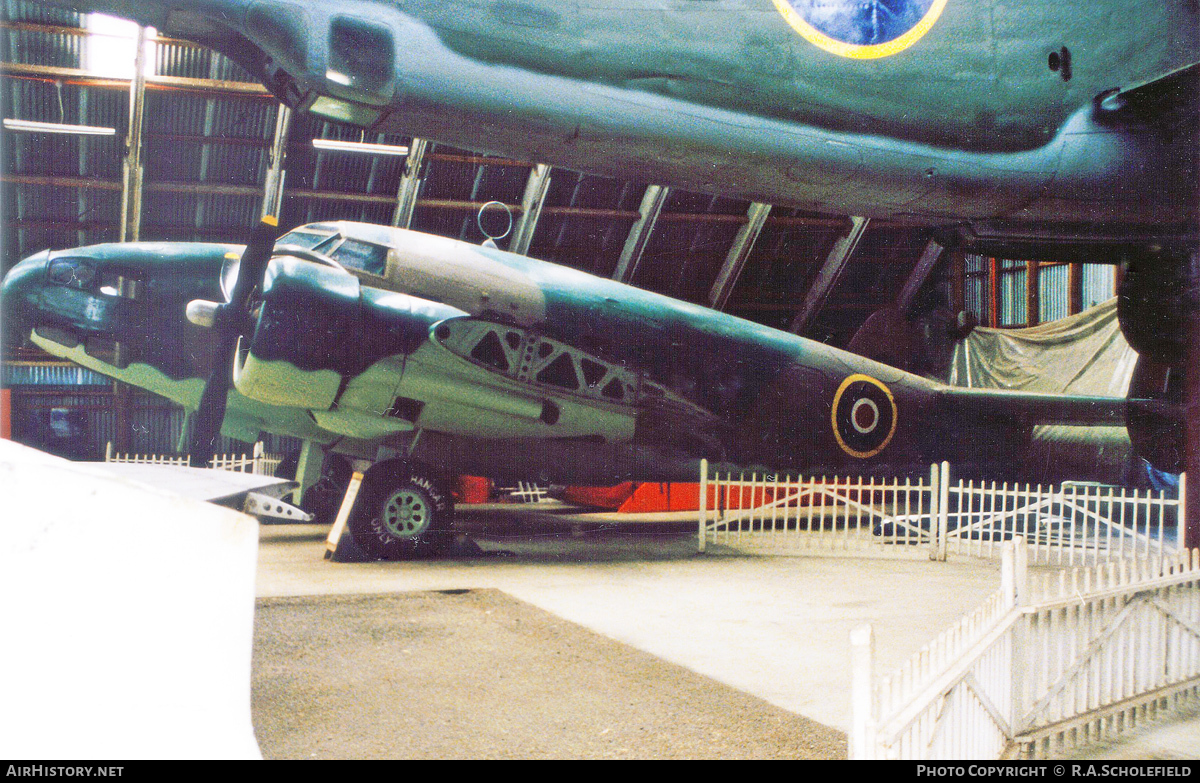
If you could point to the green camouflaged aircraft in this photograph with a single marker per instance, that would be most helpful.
(1035, 129)
(1010, 123)
(434, 357)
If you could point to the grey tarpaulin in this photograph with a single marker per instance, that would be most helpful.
(1082, 354)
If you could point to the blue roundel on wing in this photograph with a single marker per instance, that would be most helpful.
(862, 22)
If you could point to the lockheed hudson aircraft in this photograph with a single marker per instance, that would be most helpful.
(1027, 129)
(431, 357)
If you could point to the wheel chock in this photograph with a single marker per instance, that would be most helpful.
(343, 515)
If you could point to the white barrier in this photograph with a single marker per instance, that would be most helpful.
(1077, 657)
(128, 617)
(1072, 524)
(259, 462)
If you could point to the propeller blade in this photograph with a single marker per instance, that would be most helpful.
(206, 424)
(228, 320)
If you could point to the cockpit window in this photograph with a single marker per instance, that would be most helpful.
(353, 254)
(306, 239)
(75, 272)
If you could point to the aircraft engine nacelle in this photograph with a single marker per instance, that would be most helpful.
(1158, 292)
(1157, 430)
(319, 333)
(341, 66)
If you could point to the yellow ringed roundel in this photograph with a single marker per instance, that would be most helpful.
(864, 416)
(861, 29)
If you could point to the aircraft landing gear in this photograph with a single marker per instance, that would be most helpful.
(402, 512)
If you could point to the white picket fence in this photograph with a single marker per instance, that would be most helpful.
(1072, 524)
(527, 492)
(1044, 666)
(259, 462)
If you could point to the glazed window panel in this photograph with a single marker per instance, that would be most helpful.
(353, 254)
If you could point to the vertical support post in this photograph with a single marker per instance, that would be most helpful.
(862, 701)
(1074, 289)
(1014, 571)
(830, 272)
(536, 188)
(1014, 580)
(958, 276)
(1186, 542)
(943, 517)
(703, 518)
(1191, 414)
(410, 183)
(6, 414)
(273, 187)
(935, 494)
(308, 468)
(123, 410)
(993, 280)
(131, 186)
(639, 235)
(1033, 293)
(735, 260)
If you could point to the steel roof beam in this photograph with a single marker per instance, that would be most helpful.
(830, 273)
(131, 186)
(272, 203)
(536, 188)
(735, 260)
(639, 235)
(925, 264)
(410, 183)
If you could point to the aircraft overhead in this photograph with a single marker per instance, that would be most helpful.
(1032, 125)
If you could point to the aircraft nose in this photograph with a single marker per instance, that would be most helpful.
(19, 296)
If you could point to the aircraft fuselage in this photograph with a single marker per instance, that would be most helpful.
(982, 111)
(498, 364)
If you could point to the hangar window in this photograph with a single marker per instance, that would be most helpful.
(353, 254)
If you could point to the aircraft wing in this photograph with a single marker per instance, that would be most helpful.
(1167, 99)
(255, 494)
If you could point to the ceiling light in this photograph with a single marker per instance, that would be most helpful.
(337, 145)
(58, 127)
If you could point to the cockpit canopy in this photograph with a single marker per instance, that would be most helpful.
(326, 240)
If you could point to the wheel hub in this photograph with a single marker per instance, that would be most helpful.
(406, 514)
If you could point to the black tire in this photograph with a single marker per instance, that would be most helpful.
(403, 512)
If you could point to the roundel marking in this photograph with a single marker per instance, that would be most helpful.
(861, 29)
(864, 416)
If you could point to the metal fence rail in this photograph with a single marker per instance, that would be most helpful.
(1072, 524)
(1080, 656)
(258, 462)
(806, 514)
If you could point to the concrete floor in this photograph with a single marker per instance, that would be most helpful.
(774, 627)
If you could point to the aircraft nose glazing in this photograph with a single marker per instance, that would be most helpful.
(19, 296)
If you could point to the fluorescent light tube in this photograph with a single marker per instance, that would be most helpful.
(58, 127)
(337, 145)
